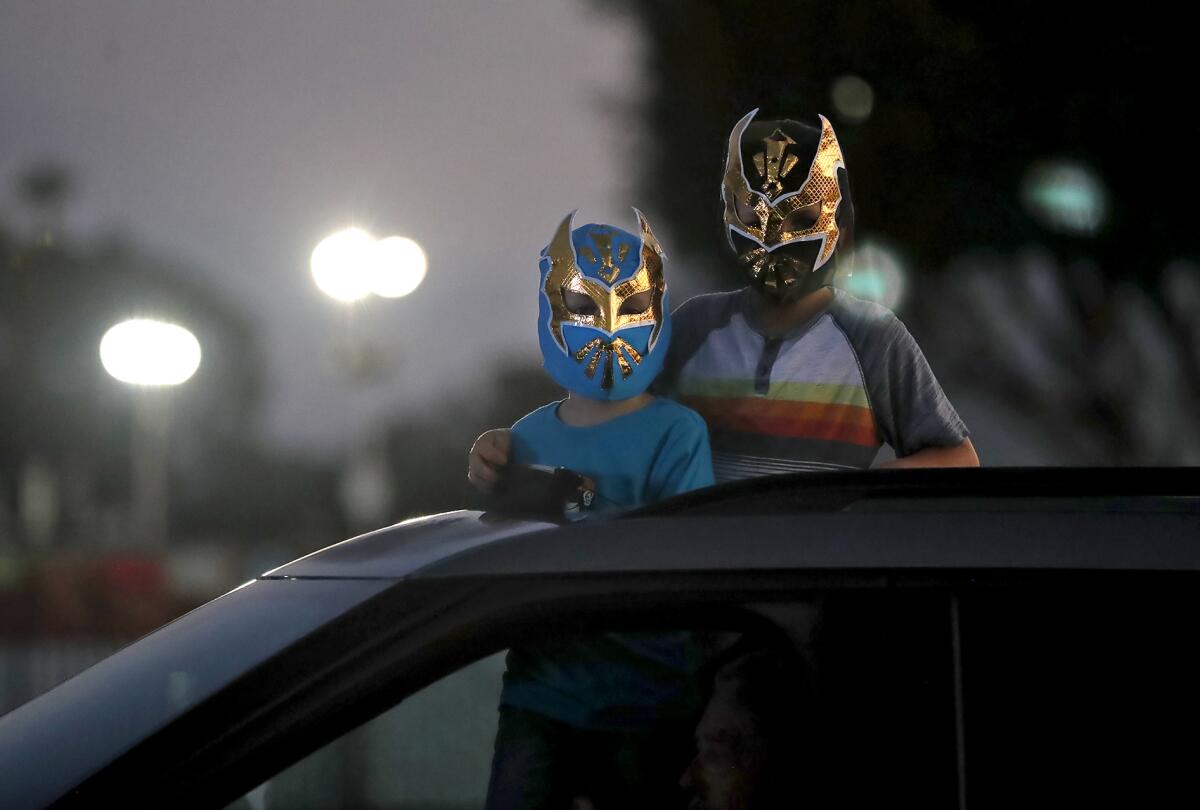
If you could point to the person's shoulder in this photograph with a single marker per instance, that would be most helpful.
(546, 414)
(854, 309)
(679, 418)
(862, 319)
(707, 308)
(676, 411)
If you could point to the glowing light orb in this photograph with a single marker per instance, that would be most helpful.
(398, 267)
(342, 264)
(853, 98)
(878, 275)
(148, 352)
(1065, 196)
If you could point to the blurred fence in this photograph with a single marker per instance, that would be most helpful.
(60, 613)
(27, 669)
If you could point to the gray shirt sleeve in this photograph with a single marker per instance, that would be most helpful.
(910, 408)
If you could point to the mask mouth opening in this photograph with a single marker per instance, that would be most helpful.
(608, 357)
(785, 273)
(598, 364)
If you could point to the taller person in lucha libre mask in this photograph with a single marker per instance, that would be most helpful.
(789, 372)
(787, 220)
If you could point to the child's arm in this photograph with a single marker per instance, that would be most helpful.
(488, 454)
(912, 412)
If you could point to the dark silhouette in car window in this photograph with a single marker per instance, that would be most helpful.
(752, 740)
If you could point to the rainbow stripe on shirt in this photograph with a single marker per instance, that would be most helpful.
(797, 403)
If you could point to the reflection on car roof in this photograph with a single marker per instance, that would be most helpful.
(936, 519)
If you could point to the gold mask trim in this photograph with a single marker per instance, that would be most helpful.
(616, 349)
(608, 269)
(772, 210)
(774, 163)
(564, 275)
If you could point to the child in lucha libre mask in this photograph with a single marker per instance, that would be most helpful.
(604, 327)
(789, 373)
(571, 711)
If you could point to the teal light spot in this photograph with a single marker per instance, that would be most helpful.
(867, 283)
(1065, 197)
(878, 274)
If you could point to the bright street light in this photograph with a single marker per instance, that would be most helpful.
(341, 264)
(351, 265)
(148, 352)
(398, 267)
(152, 354)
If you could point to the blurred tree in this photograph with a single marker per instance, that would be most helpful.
(63, 413)
(1095, 370)
(428, 457)
(239, 489)
(45, 189)
(968, 99)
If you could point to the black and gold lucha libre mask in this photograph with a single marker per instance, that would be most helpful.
(787, 204)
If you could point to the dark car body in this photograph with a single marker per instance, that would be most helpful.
(1002, 636)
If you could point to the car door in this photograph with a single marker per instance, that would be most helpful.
(873, 715)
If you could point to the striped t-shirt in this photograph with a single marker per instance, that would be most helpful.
(824, 396)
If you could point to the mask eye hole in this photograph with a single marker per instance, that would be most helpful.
(579, 304)
(636, 304)
(802, 218)
(747, 215)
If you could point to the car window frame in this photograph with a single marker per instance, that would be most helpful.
(402, 640)
(417, 632)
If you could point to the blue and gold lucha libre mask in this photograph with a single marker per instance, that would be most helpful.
(603, 321)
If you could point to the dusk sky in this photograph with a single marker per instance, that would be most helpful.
(234, 136)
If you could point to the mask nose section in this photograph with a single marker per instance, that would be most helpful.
(609, 308)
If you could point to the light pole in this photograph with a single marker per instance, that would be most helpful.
(349, 266)
(154, 356)
(352, 265)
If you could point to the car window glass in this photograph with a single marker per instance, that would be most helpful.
(1083, 696)
(789, 702)
(434, 749)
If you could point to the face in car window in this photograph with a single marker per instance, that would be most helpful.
(748, 752)
(729, 755)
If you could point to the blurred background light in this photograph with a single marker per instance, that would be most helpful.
(1065, 196)
(397, 267)
(853, 99)
(342, 264)
(877, 275)
(148, 352)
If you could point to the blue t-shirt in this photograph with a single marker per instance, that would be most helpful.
(638, 458)
(613, 680)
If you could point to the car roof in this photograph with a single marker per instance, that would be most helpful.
(1049, 519)
(398, 551)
